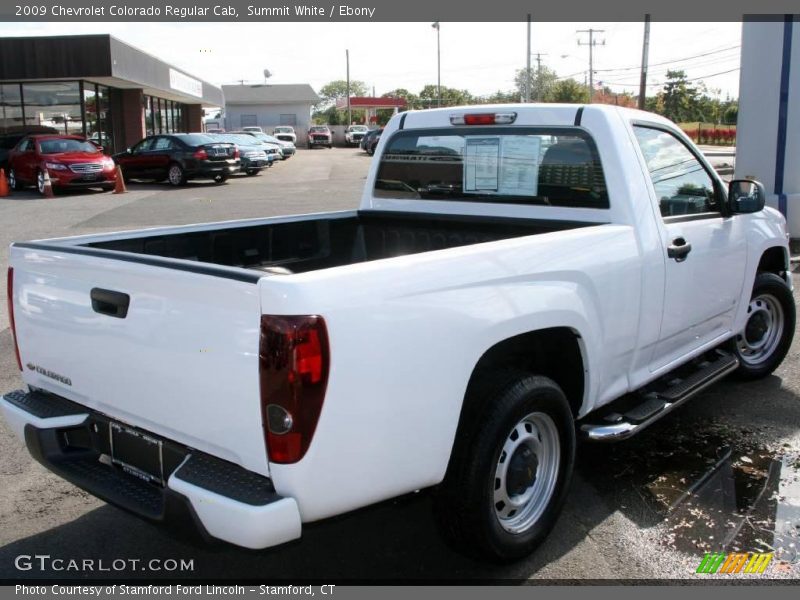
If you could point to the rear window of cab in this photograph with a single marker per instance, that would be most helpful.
(516, 165)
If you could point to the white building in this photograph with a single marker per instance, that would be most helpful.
(768, 131)
(268, 106)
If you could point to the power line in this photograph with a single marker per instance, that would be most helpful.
(672, 61)
(709, 76)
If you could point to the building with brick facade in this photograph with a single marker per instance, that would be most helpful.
(99, 87)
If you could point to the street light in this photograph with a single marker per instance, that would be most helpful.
(438, 66)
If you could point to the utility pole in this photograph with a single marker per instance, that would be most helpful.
(528, 64)
(438, 66)
(539, 56)
(645, 53)
(349, 115)
(591, 43)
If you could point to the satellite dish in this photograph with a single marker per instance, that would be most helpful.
(267, 74)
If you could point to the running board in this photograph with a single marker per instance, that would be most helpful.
(650, 406)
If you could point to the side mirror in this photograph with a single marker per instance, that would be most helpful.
(128, 150)
(746, 196)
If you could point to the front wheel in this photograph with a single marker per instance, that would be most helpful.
(220, 179)
(176, 175)
(769, 330)
(511, 464)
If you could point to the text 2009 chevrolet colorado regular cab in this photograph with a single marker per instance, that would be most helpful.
(516, 276)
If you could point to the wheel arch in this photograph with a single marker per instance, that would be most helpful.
(774, 259)
(555, 352)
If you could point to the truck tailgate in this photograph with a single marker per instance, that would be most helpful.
(182, 363)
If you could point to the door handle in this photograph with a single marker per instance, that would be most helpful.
(679, 249)
(110, 303)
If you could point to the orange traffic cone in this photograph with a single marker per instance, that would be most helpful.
(48, 186)
(119, 185)
(4, 191)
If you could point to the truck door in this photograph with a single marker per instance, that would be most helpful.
(705, 252)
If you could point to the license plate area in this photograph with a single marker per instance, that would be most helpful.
(137, 453)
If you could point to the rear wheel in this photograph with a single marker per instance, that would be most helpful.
(507, 478)
(14, 183)
(769, 330)
(252, 172)
(176, 175)
(220, 178)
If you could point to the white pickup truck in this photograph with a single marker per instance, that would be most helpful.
(517, 276)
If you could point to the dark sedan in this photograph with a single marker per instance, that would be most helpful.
(372, 141)
(179, 157)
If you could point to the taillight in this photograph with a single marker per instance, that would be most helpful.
(10, 293)
(201, 154)
(236, 153)
(293, 369)
(483, 119)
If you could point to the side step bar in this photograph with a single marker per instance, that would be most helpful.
(652, 405)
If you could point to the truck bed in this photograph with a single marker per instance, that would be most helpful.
(329, 240)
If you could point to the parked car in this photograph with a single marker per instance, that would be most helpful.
(367, 137)
(253, 128)
(70, 161)
(288, 148)
(354, 134)
(252, 155)
(178, 157)
(320, 135)
(215, 130)
(515, 276)
(285, 133)
(372, 142)
(272, 147)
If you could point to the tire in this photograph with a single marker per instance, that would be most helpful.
(176, 176)
(14, 183)
(220, 179)
(252, 172)
(528, 417)
(40, 182)
(108, 188)
(766, 338)
(309, 146)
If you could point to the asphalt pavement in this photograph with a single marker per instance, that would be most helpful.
(721, 473)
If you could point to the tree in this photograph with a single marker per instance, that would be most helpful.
(542, 81)
(568, 90)
(412, 100)
(428, 96)
(331, 92)
(501, 97)
(680, 98)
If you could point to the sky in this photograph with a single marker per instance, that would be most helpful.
(479, 57)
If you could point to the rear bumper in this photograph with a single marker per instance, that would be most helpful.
(215, 498)
(212, 169)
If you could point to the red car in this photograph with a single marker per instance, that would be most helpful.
(71, 161)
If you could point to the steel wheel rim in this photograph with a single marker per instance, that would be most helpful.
(175, 175)
(40, 182)
(517, 510)
(763, 331)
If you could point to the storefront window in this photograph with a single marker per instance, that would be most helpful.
(55, 104)
(149, 124)
(170, 117)
(104, 119)
(90, 111)
(179, 118)
(10, 108)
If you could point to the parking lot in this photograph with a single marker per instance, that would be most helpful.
(722, 473)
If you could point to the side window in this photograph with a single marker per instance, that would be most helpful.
(162, 143)
(25, 145)
(142, 146)
(682, 184)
